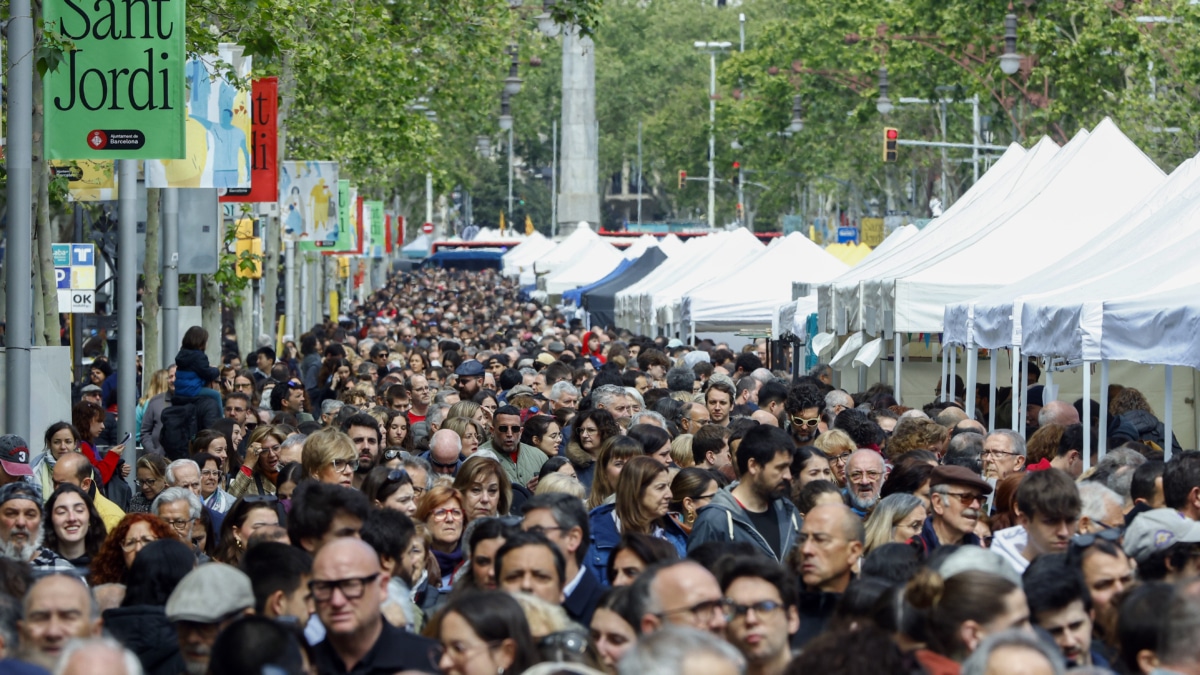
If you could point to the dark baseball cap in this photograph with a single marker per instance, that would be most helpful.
(14, 455)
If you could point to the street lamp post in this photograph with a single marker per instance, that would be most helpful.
(506, 124)
(712, 49)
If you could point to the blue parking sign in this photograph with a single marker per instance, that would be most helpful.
(62, 277)
(83, 255)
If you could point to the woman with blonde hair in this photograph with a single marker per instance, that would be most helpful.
(560, 482)
(614, 454)
(643, 504)
(470, 431)
(160, 383)
(897, 518)
(837, 447)
(261, 469)
(329, 456)
(681, 451)
(467, 409)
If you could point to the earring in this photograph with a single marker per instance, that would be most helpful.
(690, 517)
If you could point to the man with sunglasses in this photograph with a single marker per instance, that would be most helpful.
(521, 462)
(761, 612)
(803, 413)
(349, 589)
(956, 499)
(1048, 507)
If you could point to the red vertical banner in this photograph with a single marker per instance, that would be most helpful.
(358, 224)
(387, 233)
(264, 146)
(399, 231)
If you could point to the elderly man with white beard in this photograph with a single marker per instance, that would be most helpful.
(865, 473)
(21, 529)
(956, 500)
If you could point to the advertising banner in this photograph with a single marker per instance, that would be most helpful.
(378, 235)
(87, 180)
(218, 126)
(308, 207)
(120, 93)
(264, 146)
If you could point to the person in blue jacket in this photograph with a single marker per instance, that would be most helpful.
(642, 504)
(193, 374)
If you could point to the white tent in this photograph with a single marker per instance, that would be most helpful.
(664, 302)
(1086, 190)
(994, 320)
(640, 246)
(591, 264)
(628, 308)
(575, 244)
(747, 297)
(792, 316)
(670, 244)
(522, 256)
(840, 302)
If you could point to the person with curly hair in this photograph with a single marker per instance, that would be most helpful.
(802, 413)
(590, 429)
(128, 538)
(918, 433)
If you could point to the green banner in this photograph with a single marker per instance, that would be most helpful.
(121, 93)
(378, 233)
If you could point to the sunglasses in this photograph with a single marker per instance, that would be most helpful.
(805, 422)
(505, 429)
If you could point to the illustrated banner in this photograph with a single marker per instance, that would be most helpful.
(308, 207)
(264, 146)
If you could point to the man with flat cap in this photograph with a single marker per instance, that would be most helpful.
(956, 500)
(469, 379)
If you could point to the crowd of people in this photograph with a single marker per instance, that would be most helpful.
(457, 480)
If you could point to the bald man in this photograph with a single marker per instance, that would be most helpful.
(99, 655)
(445, 452)
(58, 608)
(830, 543)
(74, 468)
(349, 588)
(1058, 412)
(682, 593)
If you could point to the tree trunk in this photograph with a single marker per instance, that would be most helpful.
(210, 316)
(151, 340)
(39, 309)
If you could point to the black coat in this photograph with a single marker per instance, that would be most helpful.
(394, 651)
(145, 630)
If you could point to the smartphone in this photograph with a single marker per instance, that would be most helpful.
(126, 439)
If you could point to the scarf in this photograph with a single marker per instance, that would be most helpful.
(448, 562)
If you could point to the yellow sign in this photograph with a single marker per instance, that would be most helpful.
(87, 180)
(871, 231)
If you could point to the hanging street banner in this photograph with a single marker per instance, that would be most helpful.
(120, 93)
(264, 146)
(218, 126)
(87, 180)
(308, 206)
(347, 220)
(378, 236)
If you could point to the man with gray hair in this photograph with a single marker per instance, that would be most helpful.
(682, 378)
(57, 609)
(184, 473)
(615, 400)
(1058, 412)
(1003, 454)
(964, 450)
(837, 400)
(1014, 651)
(330, 407)
(822, 372)
(865, 472)
(436, 415)
(445, 452)
(679, 650)
(180, 508)
(562, 395)
(291, 449)
(98, 655)
(421, 473)
(1102, 509)
(648, 417)
(680, 593)
(1119, 465)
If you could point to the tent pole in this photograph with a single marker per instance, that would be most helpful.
(897, 347)
(942, 395)
(1168, 411)
(972, 375)
(1103, 406)
(1087, 422)
(992, 353)
(1024, 384)
(1016, 391)
(950, 389)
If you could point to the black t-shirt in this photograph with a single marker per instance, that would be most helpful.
(767, 524)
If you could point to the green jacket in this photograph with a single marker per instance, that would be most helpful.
(529, 462)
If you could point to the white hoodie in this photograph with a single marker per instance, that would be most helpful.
(1010, 544)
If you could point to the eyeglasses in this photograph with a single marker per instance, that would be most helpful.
(556, 646)
(965, 498)
(993, 454)
(505, 429)
(180, 524)
(234, 409)
(447, 514)
(805, 421)
(840, 459)
(340, 465)
(1082, 541)
(352, 588)
(136, 544)
(457, 651)
(701, 610)
(699, 422)
(211, 473)
(397, 475)
(868, 475)
(391, 454)
(146, 483)
(440, 465)
(764, 608)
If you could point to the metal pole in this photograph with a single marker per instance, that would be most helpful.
(127, 275)
(510, 175)
(306, 300)
(712, 140)
(76, 322)
(945, 159)
(1168, 412)
(639, 175)
(1016, 390)
(976, 135)
(170, 305)
(1024, 384)
(1087, 416)
(429, 196)
(742, 32)
(554, 179)
(992, 390)
(899, 355)
(1103, 407)
(972, 376)
(19, 251)
(289, 289)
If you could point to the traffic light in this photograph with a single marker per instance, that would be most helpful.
(890, 136)
(737, 173)
(682, 178)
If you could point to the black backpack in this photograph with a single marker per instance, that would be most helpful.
(179, 427)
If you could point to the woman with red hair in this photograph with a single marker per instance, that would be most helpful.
(121, 547)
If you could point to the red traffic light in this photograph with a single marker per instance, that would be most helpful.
(737, 165)
(893, 134)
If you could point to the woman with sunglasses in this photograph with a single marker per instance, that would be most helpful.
(443, 511)
(391, 489)
(642, 505)
(258, 475)
(247, 515)
(329, 456)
